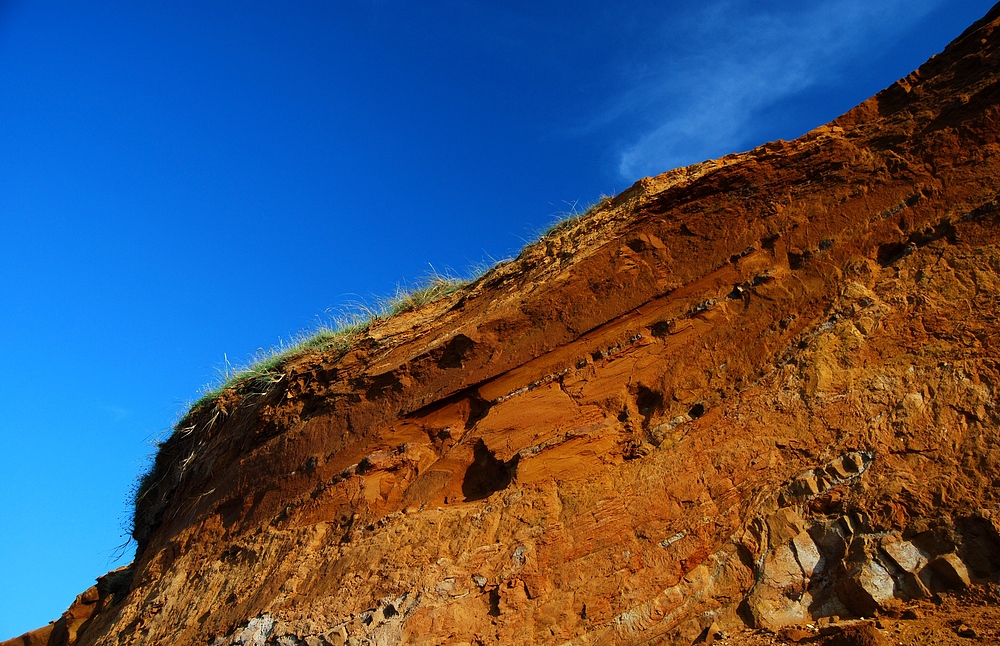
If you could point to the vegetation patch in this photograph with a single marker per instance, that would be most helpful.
(260, 376)
(567, 219)
(267, 366)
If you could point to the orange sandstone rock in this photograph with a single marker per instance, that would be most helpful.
(756, 391)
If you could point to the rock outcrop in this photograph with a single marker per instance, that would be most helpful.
(755, 391)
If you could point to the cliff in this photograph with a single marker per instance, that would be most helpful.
(758, 391)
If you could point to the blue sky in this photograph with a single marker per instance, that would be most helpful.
(186, 182)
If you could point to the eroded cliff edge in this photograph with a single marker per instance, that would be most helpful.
(758, 390)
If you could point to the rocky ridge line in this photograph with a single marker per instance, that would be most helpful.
(759, 392)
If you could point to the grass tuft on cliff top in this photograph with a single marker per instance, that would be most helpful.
(565, 220)
(266, 368)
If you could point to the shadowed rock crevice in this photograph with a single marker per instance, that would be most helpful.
(487, 474)
(648, 402)
(455, 351)
(478, 408)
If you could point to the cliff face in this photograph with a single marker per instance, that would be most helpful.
(755, 391)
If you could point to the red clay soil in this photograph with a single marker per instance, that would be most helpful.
(749, 397)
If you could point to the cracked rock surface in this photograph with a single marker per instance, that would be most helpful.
(754, 393)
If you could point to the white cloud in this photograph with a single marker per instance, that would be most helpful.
(116, 413)
(709, 99)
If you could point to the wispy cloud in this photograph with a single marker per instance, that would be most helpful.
(116, 413)
(704, 103)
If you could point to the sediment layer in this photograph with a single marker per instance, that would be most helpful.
(756, 391)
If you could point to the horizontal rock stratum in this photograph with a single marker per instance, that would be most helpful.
(759, 391)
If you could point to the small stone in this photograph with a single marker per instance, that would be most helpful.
(837, 468)
(795, 635)
(912, 402)
(336, 637)
(966, 631)
(904, 553)
(711, 634)
(851, 462)
(911, 613)
(866, 325)
(867, 587)
(806, 485)
(952, 570)
(861, 634)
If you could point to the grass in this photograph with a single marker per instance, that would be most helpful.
(565, 220)
(267, 368)
(433, 289)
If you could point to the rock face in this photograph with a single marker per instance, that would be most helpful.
(756, 391)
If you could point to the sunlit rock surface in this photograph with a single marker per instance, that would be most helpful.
(759, 391)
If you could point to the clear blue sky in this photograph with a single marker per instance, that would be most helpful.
(186, 181)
